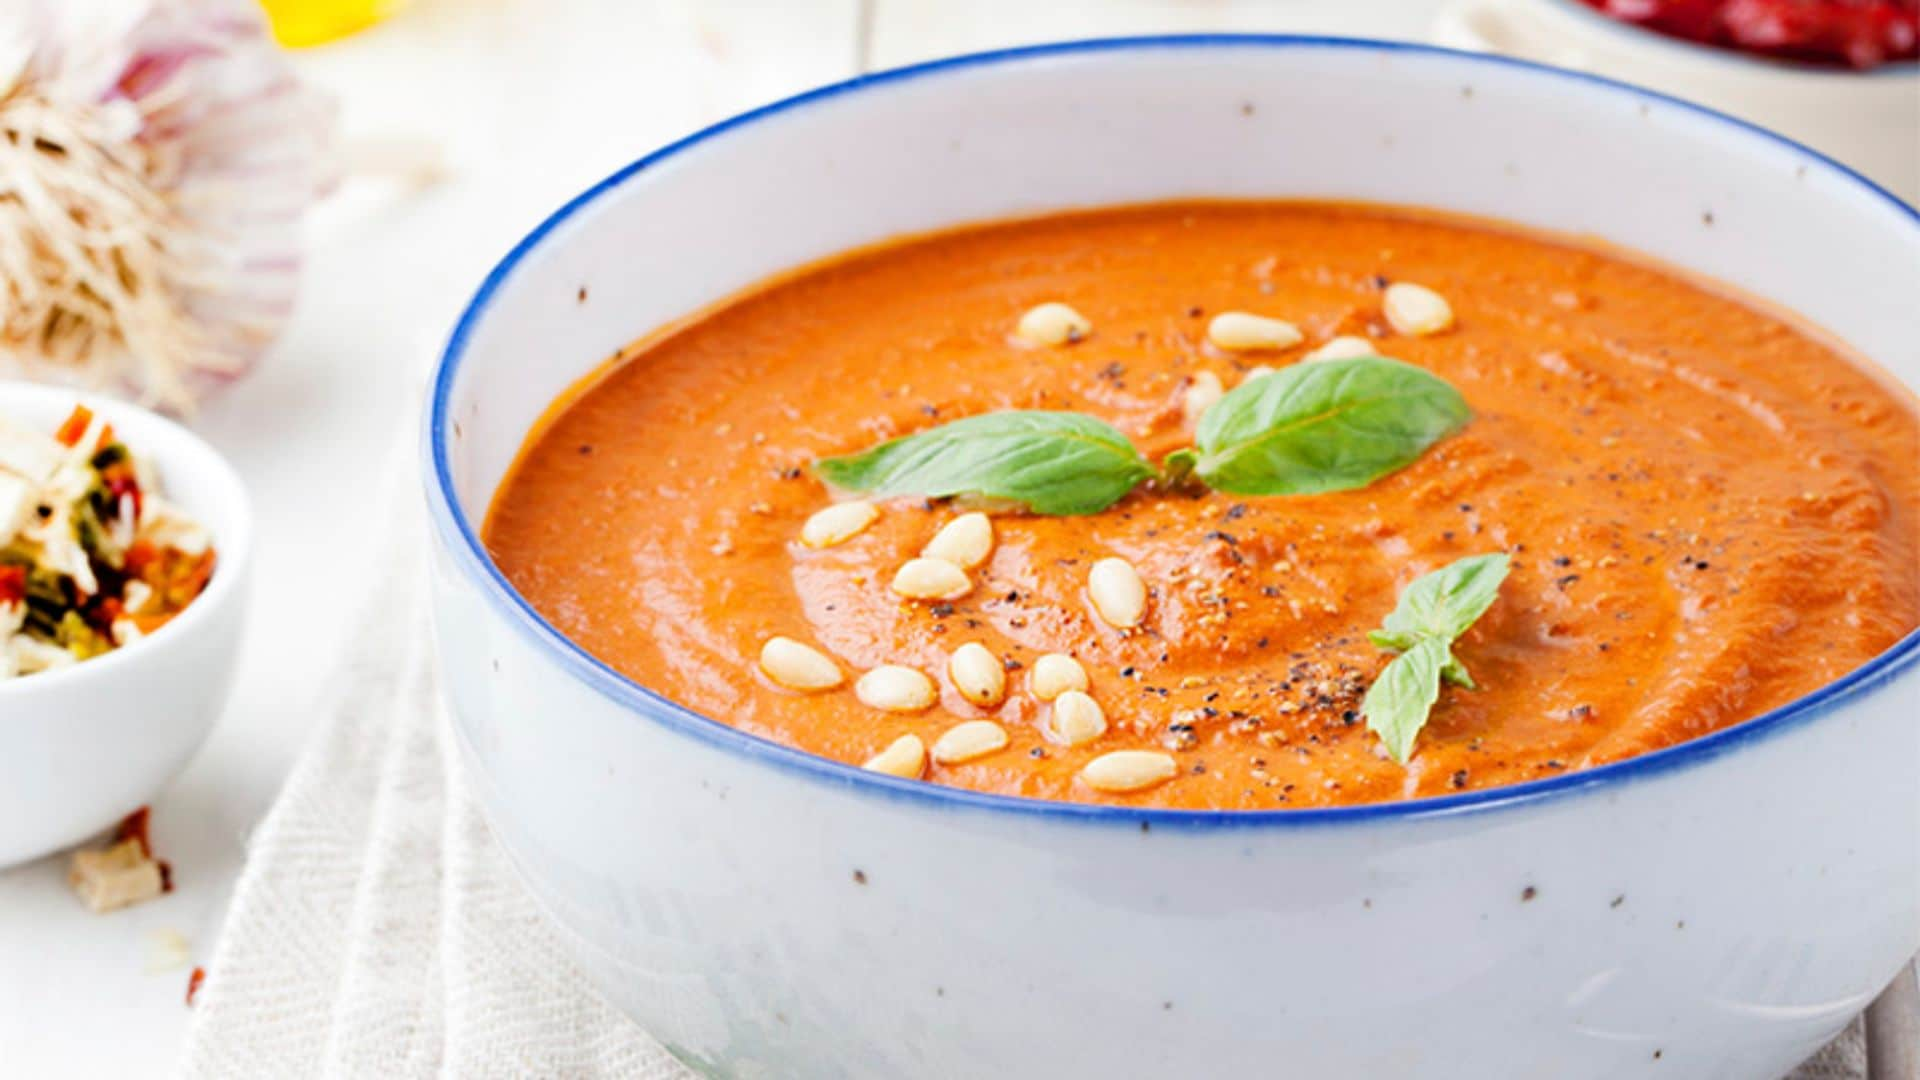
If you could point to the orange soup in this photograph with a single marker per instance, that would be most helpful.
(1707, 509)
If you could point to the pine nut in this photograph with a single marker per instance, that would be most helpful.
(1076, 719)
(931, 579)
(905, 757)
(893, 688)
(978, 675)
(1241, 331)
(968, 740)
(1415, 309)
(1203, 393)
(799, 667)
(966, 541)
(1055, 674)
(1255, 372)
(838, 523)
(1053, 323)
(1344, 348)
(1122, 771)
(1119, 596)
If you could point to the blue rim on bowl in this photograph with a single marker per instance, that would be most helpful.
(456, 529)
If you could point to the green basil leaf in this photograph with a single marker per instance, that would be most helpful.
(1056, 463)
(1394, 640)
(1322, 426)
(1430, 615)
(1445, 602)
(1456, 674)
(1398, 702)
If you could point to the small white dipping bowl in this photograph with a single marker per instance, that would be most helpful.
(83, 745)
(1716, 909)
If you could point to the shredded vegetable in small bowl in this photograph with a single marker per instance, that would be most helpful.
(93, 556)
(125, 549)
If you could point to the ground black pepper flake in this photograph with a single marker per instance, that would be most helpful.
(1528, 893)
(1236, 511)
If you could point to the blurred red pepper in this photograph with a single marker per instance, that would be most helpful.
(1856, 33)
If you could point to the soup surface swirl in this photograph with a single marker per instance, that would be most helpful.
(1710, 509)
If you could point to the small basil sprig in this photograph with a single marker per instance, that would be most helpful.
(1057, 463)
(1432, 613)
(1321, 426)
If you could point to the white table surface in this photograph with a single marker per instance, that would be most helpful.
(524, 102)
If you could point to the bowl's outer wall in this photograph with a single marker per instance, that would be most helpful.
(1730, 914)
(81, 748)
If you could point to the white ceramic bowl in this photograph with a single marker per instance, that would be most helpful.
(84, 745)
(1868, 119)
(1716, 909)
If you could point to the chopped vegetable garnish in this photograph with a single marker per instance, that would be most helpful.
(92, 558)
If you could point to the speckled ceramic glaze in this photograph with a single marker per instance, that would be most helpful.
(1869, 119)
(1718, 909)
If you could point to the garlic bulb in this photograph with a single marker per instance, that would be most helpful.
(156, 160)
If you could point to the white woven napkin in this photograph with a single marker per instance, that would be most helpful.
(377, 929)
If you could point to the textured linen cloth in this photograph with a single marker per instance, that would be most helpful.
(377, 929)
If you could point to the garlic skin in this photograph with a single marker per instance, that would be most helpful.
(157, 159)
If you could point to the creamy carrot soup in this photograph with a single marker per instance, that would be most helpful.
(1463, 507)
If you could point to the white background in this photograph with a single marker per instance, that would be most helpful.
(524, 103)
